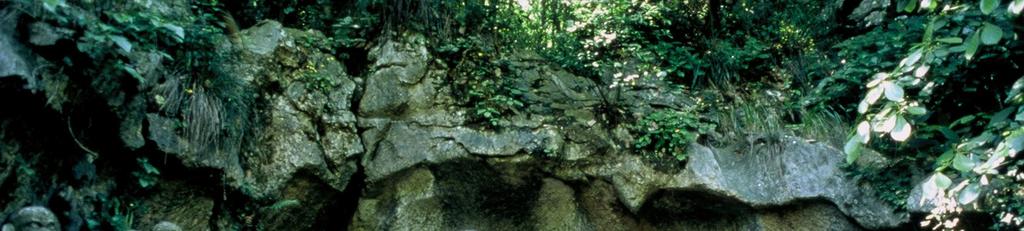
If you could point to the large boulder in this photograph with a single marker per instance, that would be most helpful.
(801, 171)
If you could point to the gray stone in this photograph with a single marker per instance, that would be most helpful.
(558, 209)
(410, 203)
(408, 126)
(263, 37)
(398, 65)
(15, 58)
(176, 201)
(166, 226)
(44, 34)
(34, 218)
(802, 171)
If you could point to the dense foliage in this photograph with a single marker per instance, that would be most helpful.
(950, 105)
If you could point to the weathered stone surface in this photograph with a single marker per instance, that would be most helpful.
(411, 203)
(166, 226)
(310, 125)
(299, 206)
(802, 171)
(15, 58)
(557, 208)
(33, 218)
(263, 37)
(397, 65)
(178, 202)
(729, 190)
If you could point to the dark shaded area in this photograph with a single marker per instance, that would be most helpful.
(474, 194)
(667, 207)
(340, 210)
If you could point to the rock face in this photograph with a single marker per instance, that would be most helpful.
(559, 169)
(562, 163)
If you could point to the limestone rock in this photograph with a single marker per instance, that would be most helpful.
(33, 218)
(802, 171)
(557, 208)
(178, 202)
(166, 226)
(15, 58)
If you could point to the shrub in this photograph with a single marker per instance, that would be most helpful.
(670, 132)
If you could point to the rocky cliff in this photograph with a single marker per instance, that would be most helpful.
(391, 150)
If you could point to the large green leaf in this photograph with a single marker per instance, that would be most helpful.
(893, 91)
(987, 6)
(886, 125)
(1016, 6)
(964, 163)
(972, 45)
(991, 34)
(901, 131)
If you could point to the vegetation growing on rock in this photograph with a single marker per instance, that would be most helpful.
(512, 114)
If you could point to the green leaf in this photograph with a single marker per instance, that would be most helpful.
(864, 132)
(969, 194)
(928, 4)
(122, 42)
(917, 110)
(179, 32)
(921, 71)
(944, 160)
(131, 71)
(951, 40)
(887, 125)
(972, 45)
(942, 181)
(51, 5)
(1016, 6)
(1001, 116)
(964, 163)
(873, 95)
(991, 34)
(878, 77)
(852, 150)
(893, 92)
(902, 129)
(935, 184)
(912, 58)
(987, 6)
(911, 5)
(1015, 142)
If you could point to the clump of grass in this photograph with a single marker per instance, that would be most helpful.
(768, 115)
